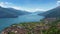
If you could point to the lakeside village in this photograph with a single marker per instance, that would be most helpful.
(45, 26)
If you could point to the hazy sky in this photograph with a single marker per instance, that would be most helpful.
(30, 5)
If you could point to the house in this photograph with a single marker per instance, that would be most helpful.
(15, 30)
(49, 20)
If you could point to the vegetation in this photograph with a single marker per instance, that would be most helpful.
(49, 28)
(40, 27)
(11, 33)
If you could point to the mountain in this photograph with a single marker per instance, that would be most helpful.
(41, 13)
(11, 13)
(53, 13)
(17, 12)
(38, 12)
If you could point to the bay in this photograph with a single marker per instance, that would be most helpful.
(5, 22)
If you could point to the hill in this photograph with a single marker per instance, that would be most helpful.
(53, 13)
(11, 13)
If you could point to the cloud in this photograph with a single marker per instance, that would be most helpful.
(11, 5)
(58, 3)
(39, 9)
(5, 4)
(36, 9)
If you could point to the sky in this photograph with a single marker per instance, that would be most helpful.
(30, 5)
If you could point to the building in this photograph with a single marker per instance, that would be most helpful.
(15, 30)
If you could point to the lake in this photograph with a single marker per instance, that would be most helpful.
(5, 22)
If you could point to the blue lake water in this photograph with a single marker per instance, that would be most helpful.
(5, 22)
